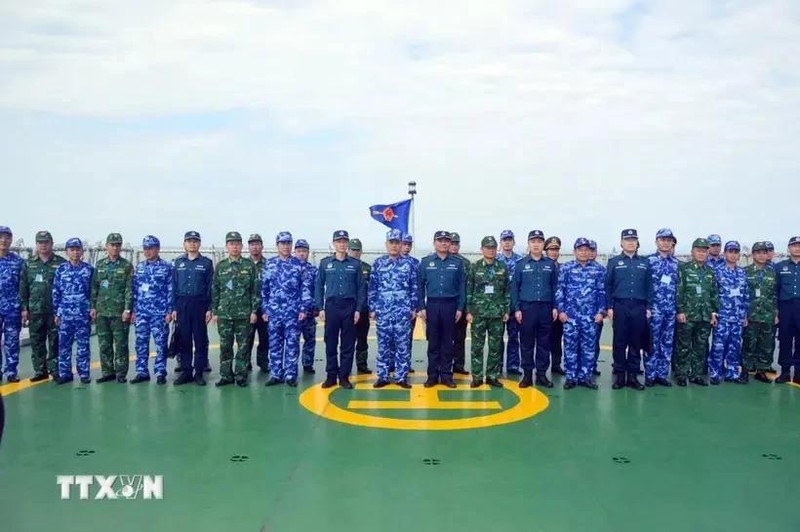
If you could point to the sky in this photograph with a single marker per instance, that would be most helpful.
(578, 118)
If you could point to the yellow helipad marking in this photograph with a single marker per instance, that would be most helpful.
(530, 402)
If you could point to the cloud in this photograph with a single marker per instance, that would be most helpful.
(577, 119)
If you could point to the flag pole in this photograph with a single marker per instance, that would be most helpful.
(412, 191)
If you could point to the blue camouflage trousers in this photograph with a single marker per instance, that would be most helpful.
(308, 330)
(9, 328)
(284, 346)
(662, 334)
(159, 328)
(77, 331)
(579, 344)
(726, 348)
(394, 345)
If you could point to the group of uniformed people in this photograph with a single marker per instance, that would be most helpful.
(653, 302)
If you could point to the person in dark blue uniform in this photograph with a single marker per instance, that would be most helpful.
(788, 290)
(533, 290)
(442, 299)
(552, 247)
(629, 297)
(191, 284)
(339, 294)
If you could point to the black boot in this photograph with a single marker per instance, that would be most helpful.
(634, 383)
(527, 379)
(493, 382)
(762, 376)
(619, 381)
(542, 380)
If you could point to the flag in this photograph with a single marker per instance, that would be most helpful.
(395, 216)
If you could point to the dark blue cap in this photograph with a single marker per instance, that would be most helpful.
(536, 233)
(283, 237)
(151, 242)
(5, 230)
(191, 235)
(301, 244)
(770, 245)
(438, 235)
(341, 234)
(629, 233)
(74, 243)
(732, 245)
(592, 245)
(506, 233)
(794, 240)
(581, 241)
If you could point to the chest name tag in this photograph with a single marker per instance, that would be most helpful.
(39, 278)
(488, 289)
(698, 289)
(735, 292)
(665, 279)
(758, 292)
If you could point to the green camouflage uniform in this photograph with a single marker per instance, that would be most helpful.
(111, 296)
(362, 327)
(758, 335)
(235, 295)
(488, 300)
(36, 293)
(697, 298)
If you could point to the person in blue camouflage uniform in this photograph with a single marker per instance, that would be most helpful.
(285, 302)
(406, 246)
(593, 258)
(513, 330)
(72, 289)
(11, 266)
(734, 301)
(664, 282)
(581, 303)
(392, 301)
(308, 329)
(153, 304)
(715, 259)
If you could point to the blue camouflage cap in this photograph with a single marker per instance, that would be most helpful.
(301, 243)
(581, 241)
(394, 234)
(770, 245)
(151, 242)
(74, 243)
(732, 245)
(407, 238)
(629, 233)
(506, 233)
(714, 240)
(666, 232)
(283, 237)
(592, 245)
(341, 234)
(440, 235)
(5, 230)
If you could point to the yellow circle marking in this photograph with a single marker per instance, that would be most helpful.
(317, 400)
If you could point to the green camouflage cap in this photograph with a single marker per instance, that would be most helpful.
(255, 237)
(114, 238)
(44, 236)
(700, 243)
(354, 245)
(233, 236)
(488, 242)
(455, 238)
(760, 246)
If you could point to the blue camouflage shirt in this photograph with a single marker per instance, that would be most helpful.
(715, 262)
(581, 289)
(664, 282)
(445, 278)
(72, 289)
(152, 288)
(393, 286)
(734, 293)
(286, 290)
(510, 261)
(10, 274)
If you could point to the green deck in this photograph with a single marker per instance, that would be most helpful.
(720, 458)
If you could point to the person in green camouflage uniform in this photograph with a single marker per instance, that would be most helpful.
(111, 310)
(36, 295)
(235, 300)
(762, 316)
(698, 305)
(488, 304)
(460, 329)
